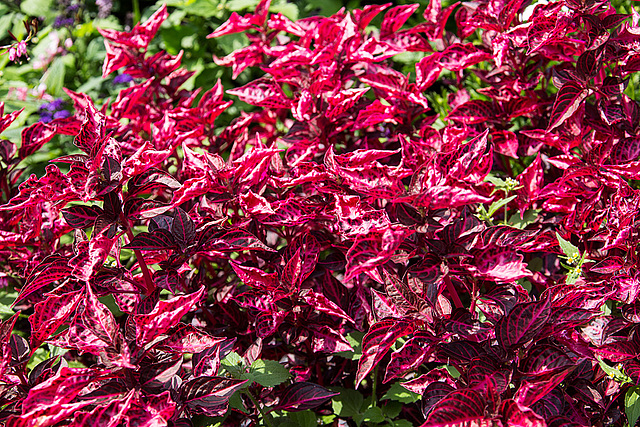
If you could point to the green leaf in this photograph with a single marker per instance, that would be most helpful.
(303, 418)
(53, 78)
(497, 182)
(234, 364)
(268, 373)
(239, 5)
(498, 204)
(530, 216)
(35, 7)
(392, 409)
(235, 402)
(400, 394)
(566, 246)
(373, 415)
(632, 405)
(355, 339)
(348, 404)
(614, 372)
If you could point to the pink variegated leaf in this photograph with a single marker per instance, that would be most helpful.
(59, 389)
(568, 100)
(7, 119)
(460, 56)
(328, 340)
(364, 16)
(255, 277)
(532, 391)
(501, 265)
(280, 22)
(522, 323)
(141, 34)
(234, 240)
(473, 112)
(460, 407)
(50, 314)
(324, 305)
(93, 255)
(34, 137)
(300, 396)
(408, 357)
(188, 339)
(373, 250)
(235, 24)
(209, 395)
(108, 415)
(52, 268)
(97, 318)
(518, 415)
(432, 394)
(262, 93)
(395, 18)
(378, 341)
(164, 316)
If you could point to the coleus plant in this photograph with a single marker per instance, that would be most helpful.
(344, 232)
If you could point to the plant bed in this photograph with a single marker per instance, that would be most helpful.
(400, 224)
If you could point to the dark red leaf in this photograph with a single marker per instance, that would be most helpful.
(81, 216)
(183, 229)
(377, 342)
(302, 396)
(523, 323)
(156, 240)
(567, 102)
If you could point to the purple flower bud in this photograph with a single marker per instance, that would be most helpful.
(62, 114)
(122, 78)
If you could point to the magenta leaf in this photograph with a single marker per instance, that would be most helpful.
(81, 216)
(209, 395)
(377, 342)
(235, 240)
(395, 18)
(567, 102)
(432, 394)
(156, 240)
(458, 407)
(151, 179)
(50, 314)
(301, 396)
(523, 323)
(164, 316)
(183, 229)
(188, 339)
(51, 269)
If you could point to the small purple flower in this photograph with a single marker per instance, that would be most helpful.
(62, 114)
(122, 78)
(45, 116)
(53, 110)
(55, 105)
(61, 21)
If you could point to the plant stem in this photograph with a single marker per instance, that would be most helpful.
(453, 292)
(136, 11)
(265, 416)
(374, 386)
(150, 287)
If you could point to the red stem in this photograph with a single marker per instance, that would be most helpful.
(453, 292)
(150, 286)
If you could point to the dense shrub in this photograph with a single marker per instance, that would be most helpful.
(400, 226)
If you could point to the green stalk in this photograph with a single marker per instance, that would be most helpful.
(265, 416)
(136, 11)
